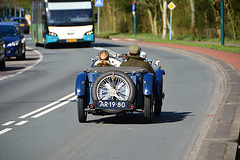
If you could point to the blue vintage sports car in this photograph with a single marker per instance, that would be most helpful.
(115, 90)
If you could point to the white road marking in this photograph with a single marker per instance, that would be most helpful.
(47, 106)
(27, 68)
(8, 123)
(5, 130)
(21, 123)
(53, 108)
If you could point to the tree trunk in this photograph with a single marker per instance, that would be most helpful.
(167, 20)
(155, 22)
(193, 24)
(164, 18)
(150, 15)
(231, 19)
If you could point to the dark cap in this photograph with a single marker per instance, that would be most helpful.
(134, 49)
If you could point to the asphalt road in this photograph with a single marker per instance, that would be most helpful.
(38, 121)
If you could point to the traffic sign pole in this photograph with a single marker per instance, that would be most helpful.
(98, 20)
(170, 34)
(171, 6)
(222, 22)
(98, 3)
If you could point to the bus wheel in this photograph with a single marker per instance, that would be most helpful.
(46, 46)
(88, 44)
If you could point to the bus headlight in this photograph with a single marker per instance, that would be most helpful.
(52, 34)
(89, 33)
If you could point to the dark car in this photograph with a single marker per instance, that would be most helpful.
(22, 23)
(2, 53)
(14, 41)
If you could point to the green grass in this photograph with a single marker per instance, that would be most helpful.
(202, 42)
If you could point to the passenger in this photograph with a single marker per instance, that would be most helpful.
(134, 59)
(103, 60)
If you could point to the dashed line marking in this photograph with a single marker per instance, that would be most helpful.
(21, 123)
(5, 130)
(54, 105)
(47, 106)
(53, 108)
(8, 123)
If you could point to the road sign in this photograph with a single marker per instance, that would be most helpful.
(171, 6)
(98, 3)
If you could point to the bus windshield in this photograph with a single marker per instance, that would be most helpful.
(69, 13)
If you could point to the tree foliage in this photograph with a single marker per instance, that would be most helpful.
(190, 17)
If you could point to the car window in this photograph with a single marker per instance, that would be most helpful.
(8, 31)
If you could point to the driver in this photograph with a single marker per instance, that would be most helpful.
(134, 59)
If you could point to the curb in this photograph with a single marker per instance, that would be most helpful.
(220, 140)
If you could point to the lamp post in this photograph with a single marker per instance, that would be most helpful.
(6, 9)
(135, 18)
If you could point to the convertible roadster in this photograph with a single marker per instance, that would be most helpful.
(117, 90)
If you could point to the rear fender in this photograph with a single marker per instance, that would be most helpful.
(80, 88)
(159, 75)
(148, 84)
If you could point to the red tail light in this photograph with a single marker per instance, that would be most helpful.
(91, 106)
(132, 107)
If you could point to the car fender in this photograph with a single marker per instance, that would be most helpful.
(80, 87)
(159, 75)
(148, 84)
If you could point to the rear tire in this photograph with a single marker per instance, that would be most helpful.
(148, 108)
(158, 106)
(2, 64)
(81, 105)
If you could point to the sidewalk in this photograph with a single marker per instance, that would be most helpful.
(220, 139)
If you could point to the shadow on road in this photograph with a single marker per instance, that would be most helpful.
(166, 117)
(11, 69)
(78, 45)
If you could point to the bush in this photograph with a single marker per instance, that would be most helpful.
(103, 35)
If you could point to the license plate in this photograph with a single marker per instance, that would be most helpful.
(21, 25)
(112, 104)
(71, 40)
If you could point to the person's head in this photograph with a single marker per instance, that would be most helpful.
(134, 50)
(104, 56)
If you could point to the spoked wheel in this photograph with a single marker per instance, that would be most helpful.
(148, 108)
(113, 85)
(81, 105)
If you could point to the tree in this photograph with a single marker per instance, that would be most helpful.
(193, 17)
(164, 17)
(152, 7)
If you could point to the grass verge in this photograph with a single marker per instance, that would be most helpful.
(188, 41)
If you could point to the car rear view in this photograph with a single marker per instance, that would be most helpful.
(22, 23)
